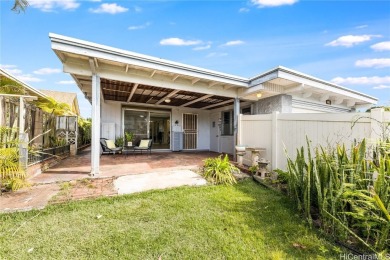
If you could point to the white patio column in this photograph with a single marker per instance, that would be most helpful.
(235, 123)
(23, 156)
(95, 141)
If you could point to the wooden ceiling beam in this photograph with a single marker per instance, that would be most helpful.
(167, 96)
(196, 100)
(218, 104)
(132, 92)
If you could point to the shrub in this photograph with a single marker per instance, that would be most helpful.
(282, 176)
(253, 169)
(340, 190)
(12, 175)
(219, 170)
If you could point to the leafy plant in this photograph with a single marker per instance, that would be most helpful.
(219, 170)
(12, 174)
(282, 176)
(119, 141)
(253, 169)
(341, 191)
(129, 136)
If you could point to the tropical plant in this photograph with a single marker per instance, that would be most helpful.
(20, 5)
(347, 193)
(85, 127)
(12, 174)
(219, 170)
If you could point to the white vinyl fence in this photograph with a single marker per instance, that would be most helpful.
(277, 132)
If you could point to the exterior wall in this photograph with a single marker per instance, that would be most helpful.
(281, 103)
(111, 112)
(203, 124)
(301, 105)
(278, 132)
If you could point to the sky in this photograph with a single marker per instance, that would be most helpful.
(344, 42)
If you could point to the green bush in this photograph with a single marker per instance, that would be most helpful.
(219, 170)
(338, 189)
(282, 176)
(119, 141)
(253, 169)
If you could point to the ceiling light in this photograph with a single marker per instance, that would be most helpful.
(168, 100)
(258, 95)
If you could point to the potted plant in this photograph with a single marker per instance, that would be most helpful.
(129, 138)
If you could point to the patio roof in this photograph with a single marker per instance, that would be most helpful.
(130, 77)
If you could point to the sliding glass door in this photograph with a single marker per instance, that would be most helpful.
(149, 125)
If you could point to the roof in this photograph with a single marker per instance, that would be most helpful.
(130, 77)
(30, 90)
(64, 97)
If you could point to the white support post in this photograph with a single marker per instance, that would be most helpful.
(95, 142)
(235, 123)
(22, 136)
(274, 149)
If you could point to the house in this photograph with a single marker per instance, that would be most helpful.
(65, 97)
(183, 107)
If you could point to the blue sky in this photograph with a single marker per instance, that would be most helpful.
(346, 42)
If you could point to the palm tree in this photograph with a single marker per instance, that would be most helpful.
(20, 5)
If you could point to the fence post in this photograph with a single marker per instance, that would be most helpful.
(274, 149)
(377, 125)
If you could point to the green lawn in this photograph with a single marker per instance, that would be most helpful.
(244, 221)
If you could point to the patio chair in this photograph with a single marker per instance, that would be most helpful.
(144, 145)
(108, 146)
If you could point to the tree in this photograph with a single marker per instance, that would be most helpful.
(20, 5)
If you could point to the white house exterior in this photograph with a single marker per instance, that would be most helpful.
(182, 107)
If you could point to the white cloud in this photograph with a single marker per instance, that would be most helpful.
(272, 3)
(361, 26)
(216, 54)
(243, 10)
(109, 8)
(29, 78)
(362, 80)
(18, 73)
(373, 63)
(66, 82)
(139, 27)
(382, 87)
(137, 9)
(179, 42)
(381, 46)
(201, 48)
(46, 71)
(50, 5)
(233, 43)
(351, 40)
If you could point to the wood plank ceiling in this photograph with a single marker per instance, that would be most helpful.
(137, 93)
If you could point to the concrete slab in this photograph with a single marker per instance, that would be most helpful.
(157, 180)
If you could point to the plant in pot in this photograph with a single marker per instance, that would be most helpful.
(129, 138)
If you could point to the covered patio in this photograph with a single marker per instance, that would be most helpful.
(79, 167)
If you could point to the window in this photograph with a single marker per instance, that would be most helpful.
(246, 110)
(227, 123)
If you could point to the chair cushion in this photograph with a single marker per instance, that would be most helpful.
(144, 144)
(110, 144)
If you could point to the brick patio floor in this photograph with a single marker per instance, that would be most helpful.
(50, 186)
(79, 167)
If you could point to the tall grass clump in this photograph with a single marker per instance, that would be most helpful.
(346, 193)
(219, 170)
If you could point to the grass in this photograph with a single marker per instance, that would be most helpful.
(244, 221)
